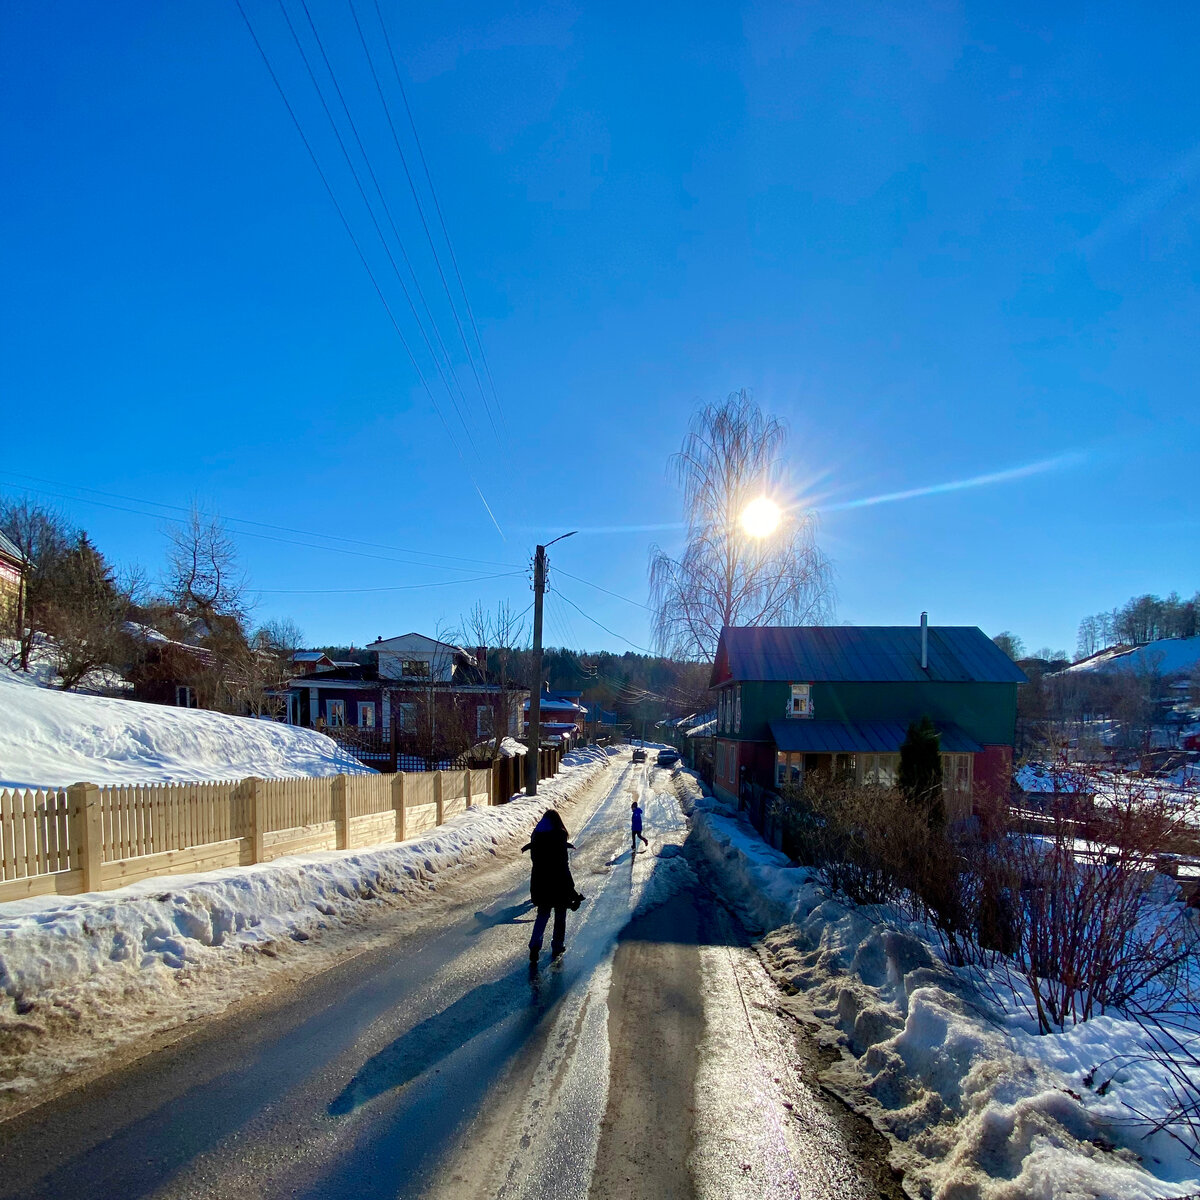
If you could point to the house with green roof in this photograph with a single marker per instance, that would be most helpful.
(802, 699)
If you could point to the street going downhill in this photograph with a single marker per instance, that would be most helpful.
(649, 1060)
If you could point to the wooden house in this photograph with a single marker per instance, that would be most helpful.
(795, 700)
(12, 583)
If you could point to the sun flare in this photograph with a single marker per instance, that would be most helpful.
(761, 517)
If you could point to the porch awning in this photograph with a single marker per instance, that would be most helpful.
(861, 737)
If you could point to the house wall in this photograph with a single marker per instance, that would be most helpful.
(985, 711)
(10, 591)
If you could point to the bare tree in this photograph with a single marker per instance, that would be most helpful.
(44, 537)
(203, 576)
(498, 635)
(1010, 644)
(732, 455)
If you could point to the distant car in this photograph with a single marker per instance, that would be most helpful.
(667, 758)
(639, 754)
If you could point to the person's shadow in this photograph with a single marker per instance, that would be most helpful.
(514, 914)
(439, 1036)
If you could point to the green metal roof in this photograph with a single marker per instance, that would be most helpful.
(860, 654)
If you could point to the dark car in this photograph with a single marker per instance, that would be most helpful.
(639, 754)
(667, 758)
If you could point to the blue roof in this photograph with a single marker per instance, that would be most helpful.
(861, 654)
(10, 549)
(861, 737)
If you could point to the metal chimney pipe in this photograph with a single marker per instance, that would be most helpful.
(924, 641)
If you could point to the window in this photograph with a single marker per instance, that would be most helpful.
(737, 709)
(184, 697)
(721, 710)
(484, 721)
(406, 717)
(882, 770)
(335, 713)
(721, 759)
(366, 715)
(789, 768)
(800, 703)
(414, 668)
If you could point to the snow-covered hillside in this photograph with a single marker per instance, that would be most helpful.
(53, 739)
(1167, 656)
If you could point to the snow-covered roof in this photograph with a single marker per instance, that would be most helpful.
(559, 705)
(1040, 779)
(705, 729)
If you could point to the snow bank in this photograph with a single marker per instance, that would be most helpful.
(948, 1066)
(83, 976)
(53, 739)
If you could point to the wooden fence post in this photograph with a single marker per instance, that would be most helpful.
(341, 817)
(398, 804)
(87, 834)
(467, 777)
(256, 804)
(437, 795)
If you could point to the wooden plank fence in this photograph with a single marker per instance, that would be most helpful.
(87, 838)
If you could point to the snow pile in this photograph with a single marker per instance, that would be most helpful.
(53, 739)
(950, 1067)
(85, 975)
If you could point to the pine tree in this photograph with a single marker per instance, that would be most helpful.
(921, 771)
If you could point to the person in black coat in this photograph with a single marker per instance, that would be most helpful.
(551, 887)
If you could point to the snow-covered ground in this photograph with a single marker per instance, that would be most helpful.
(50, 738)
(87, 977)
(950, 1067)
(1167, 656)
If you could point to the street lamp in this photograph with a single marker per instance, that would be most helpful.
(535, 698)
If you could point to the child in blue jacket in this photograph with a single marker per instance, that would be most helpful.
(636, 826)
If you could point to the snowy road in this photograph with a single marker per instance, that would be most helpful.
(651, 1061)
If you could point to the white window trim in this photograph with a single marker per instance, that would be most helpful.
(364, 707)
(338, 707)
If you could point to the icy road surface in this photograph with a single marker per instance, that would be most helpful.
(650, 1062)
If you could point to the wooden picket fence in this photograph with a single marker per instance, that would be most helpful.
(87, 838)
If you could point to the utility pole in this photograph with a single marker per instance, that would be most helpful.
(535, 695)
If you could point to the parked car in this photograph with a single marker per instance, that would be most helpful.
(667, 758)
(639, 754)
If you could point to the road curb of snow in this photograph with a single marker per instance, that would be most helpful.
(973, 1104)
(171, 949)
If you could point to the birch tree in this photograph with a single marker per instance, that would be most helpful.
(733, 454)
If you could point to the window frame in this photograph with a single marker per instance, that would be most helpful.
(335, 714)
(365, 707)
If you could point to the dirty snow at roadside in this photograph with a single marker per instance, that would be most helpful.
(83, 976)
(51, 739)
(975, 1103)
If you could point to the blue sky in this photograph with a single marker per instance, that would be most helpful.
(939, 246)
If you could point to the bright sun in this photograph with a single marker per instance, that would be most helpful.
(761, 517)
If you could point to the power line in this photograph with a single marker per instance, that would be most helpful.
(606, 591)
(405, 587)
(361, 256)
(438, 208)
(395, 233)
(421, 213)
(606, 629)
(367, 203)
(476, 562)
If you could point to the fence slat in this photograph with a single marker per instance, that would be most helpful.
(20, 864)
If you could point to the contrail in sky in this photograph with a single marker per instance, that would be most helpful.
(1059, 462)
(1071, 459)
